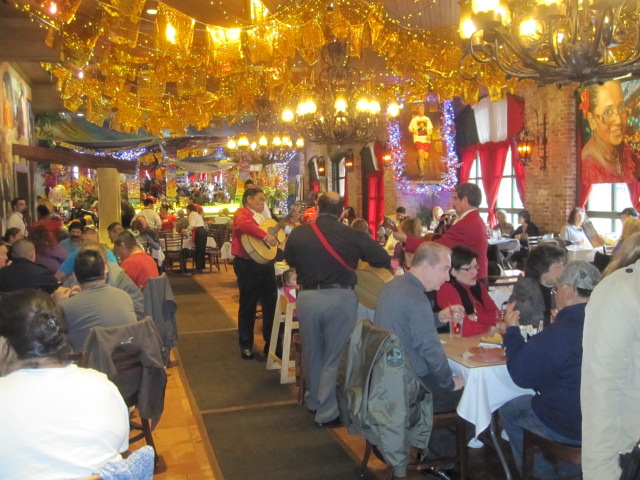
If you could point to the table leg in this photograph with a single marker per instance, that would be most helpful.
(496, 445)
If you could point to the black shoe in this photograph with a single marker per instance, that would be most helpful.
(335, 423)
(246, 353)
(439, 473)
(311, 410)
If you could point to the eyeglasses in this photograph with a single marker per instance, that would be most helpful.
(473, 268)
(607, 115)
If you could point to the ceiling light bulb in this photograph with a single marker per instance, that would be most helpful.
(341, 105)
(393, 110)
(374, 107)
(243, 141)
(287, 115)
(263, 142)
(300, 142)
(231, 144)
(152, 11)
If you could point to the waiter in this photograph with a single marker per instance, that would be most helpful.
(327, 305)
(256, 281)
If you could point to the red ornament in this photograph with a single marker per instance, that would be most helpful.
(50, 180)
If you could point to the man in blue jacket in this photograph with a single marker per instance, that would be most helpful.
(549, 363)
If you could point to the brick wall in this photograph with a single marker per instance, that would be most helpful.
(551, 193)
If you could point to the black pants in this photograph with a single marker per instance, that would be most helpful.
(255, 282)
(200, 246)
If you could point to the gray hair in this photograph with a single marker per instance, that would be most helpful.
(429, 252)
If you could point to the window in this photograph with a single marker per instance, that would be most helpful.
(339, 176)
(508, 197)
(605, 200)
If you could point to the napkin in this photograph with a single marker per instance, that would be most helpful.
(490, 345)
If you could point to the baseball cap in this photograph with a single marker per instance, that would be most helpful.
(581, 274)
(629, 211)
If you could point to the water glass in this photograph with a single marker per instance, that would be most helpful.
(455, 328)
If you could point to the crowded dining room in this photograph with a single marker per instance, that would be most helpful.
(319, 239)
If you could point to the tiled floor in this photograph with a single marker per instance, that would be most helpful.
(188, 457)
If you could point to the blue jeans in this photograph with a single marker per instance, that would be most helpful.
(517, 415)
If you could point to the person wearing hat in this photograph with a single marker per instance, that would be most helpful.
(549, 363)
(627, 213)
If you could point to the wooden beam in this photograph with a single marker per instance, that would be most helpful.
(66, 157)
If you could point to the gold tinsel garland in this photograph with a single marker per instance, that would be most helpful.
(182, 75)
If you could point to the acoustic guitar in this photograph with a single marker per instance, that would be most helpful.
(259, 250)
(370, 283)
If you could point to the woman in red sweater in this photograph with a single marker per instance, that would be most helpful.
(464, 289)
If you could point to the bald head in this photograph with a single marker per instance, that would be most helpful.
(24, 249)
(331, 203)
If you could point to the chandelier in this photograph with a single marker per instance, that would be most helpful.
(338, 111)
(552, 41)
(264, 148)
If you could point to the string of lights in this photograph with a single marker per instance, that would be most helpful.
(398, 153)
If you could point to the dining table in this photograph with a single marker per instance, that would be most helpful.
(488, 386)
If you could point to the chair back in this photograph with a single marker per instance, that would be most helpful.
(160, 305)
(567, 453)
(533, 241)
(130, 356)
(80, 358)
(171, 242)
(221, 233)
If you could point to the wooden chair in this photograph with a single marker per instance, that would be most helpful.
(301, 386)
(549, 448)
(81, 358)
(133, 362)
(449, 420)
(212, 256)
(533, 242)
(172, 247)
(283, 315)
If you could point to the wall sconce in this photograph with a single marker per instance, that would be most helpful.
(527, 140)
(321, 167)
(348, 161)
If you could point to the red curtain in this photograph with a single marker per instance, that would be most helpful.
(583, 194)
(493, 156)
(634, 193)
(375, 201)
(468, 156)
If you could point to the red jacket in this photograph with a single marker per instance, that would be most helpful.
(244, 224)
(487, 311)
(470, 231)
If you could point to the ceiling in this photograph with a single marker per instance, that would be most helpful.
(22, 39)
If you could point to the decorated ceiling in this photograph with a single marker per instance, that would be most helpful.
(198, 67)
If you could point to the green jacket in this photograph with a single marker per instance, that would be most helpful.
(380, 397)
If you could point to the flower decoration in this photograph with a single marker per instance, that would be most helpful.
(586, 102)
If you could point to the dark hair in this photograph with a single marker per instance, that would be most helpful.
(165, 206)
(147, 201)
(41, 237)
(249, 182)
(77, 224)
(525, 214)
(192, 208)
(42, 211)
(88, 266)
(33, 324)
(331, 203)
(250, 192)
(471, 191)
(15, 201)
(125, 238)
(113, 225)
(461, 256)
(22, 248)
(11, 232)
(401, 210)
(573, 215)
(541, 258)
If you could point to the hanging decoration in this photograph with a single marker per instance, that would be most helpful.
(397, 156)
(214, 68)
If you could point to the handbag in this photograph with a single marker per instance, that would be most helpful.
(630, 463)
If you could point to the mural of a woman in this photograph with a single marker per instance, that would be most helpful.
(606, 158)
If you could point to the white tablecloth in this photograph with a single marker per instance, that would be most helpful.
(486, 388)
(575, 252)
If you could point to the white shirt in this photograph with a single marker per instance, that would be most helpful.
(195, 221)
(152, 218)
(17, 220)
(60, 423)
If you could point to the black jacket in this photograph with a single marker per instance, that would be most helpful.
(23, 273)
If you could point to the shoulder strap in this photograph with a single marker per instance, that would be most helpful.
(329, 248)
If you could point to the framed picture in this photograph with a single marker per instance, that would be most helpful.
(609, 132)
(420, 127)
